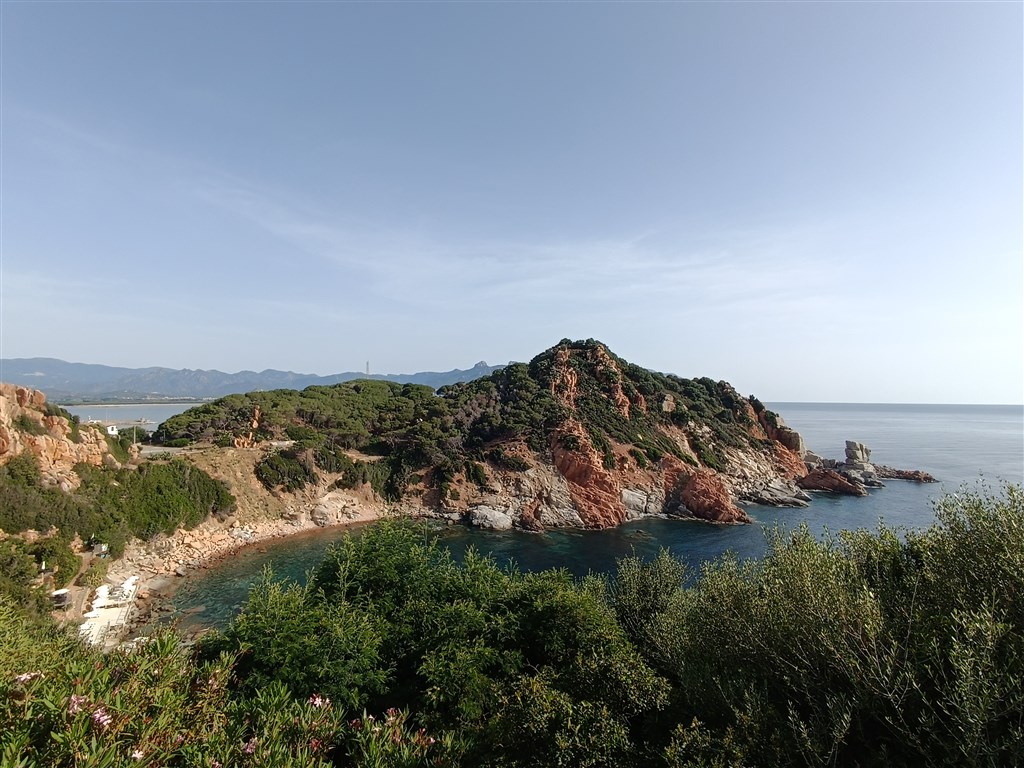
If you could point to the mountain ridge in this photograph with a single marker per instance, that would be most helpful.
(71, 383)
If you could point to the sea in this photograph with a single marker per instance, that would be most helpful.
(964, 446)
(147, 416)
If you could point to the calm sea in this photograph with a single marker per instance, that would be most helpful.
(956, 443)
(147, 416)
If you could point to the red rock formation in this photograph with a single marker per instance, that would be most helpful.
(829, 480)
(54, 452)
(595, 492)
(564, 381)
(702, 491)
(790, 463)
(708, 498)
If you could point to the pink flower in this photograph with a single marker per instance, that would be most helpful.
(137, 754)
(76, 703)
(27, 677)
(250, 746)
(318, 701)
(315, 745)
(101, 717)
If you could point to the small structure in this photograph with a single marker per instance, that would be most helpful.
(99, 549)
(112, 430)
(61, 598)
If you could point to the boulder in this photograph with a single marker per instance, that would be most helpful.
(777, 494)
(639, 503)
(813, 460)
(857, 452)
(489, 518)
(706, 497)
(832, 481)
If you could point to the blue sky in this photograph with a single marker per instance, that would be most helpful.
(812, 201)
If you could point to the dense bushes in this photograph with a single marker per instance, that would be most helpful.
(110, 505)
(866, 649)
(288, 469)
(472, 422)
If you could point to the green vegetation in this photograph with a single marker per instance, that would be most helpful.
(27, 424)
(110, 506)
(864, 649)
(465, 426)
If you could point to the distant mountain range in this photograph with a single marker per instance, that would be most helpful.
(70, 383)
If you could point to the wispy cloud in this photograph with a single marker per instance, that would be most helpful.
(700, 269)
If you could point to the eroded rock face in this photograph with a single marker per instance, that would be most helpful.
(705, 496)
(595, 492)
(49, 440)
(830, 480)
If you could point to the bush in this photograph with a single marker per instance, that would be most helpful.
(287, 469)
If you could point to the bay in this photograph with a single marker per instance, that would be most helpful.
(145, 415)
(959, 444)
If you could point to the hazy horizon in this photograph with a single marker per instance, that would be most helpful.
(815, 202)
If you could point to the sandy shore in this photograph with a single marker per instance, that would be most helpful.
(163, 562)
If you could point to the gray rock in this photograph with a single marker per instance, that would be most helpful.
(320, 516)
(640, 503)
(634, 501)
(777, 493)
(490, 518)
(813, 460)
(859, 466)
(857, 451)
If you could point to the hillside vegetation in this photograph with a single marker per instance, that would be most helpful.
(505, 420)
(896, 648)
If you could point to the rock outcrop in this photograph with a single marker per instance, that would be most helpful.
(915, 475)
(856, 469)
(705, 495)
(28, 425)
(832, 481)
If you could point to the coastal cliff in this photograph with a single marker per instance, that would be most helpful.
(578, 437)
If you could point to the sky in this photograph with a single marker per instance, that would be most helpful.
(813, 201)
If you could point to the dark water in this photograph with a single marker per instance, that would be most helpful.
(957, 444)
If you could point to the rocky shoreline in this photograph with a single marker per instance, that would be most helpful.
(855, 474)
(162, 562)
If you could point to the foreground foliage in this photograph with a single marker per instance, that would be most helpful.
(865, 649)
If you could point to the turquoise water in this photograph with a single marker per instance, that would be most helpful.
(957, 444)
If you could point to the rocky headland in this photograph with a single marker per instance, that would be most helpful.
(576, 438)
